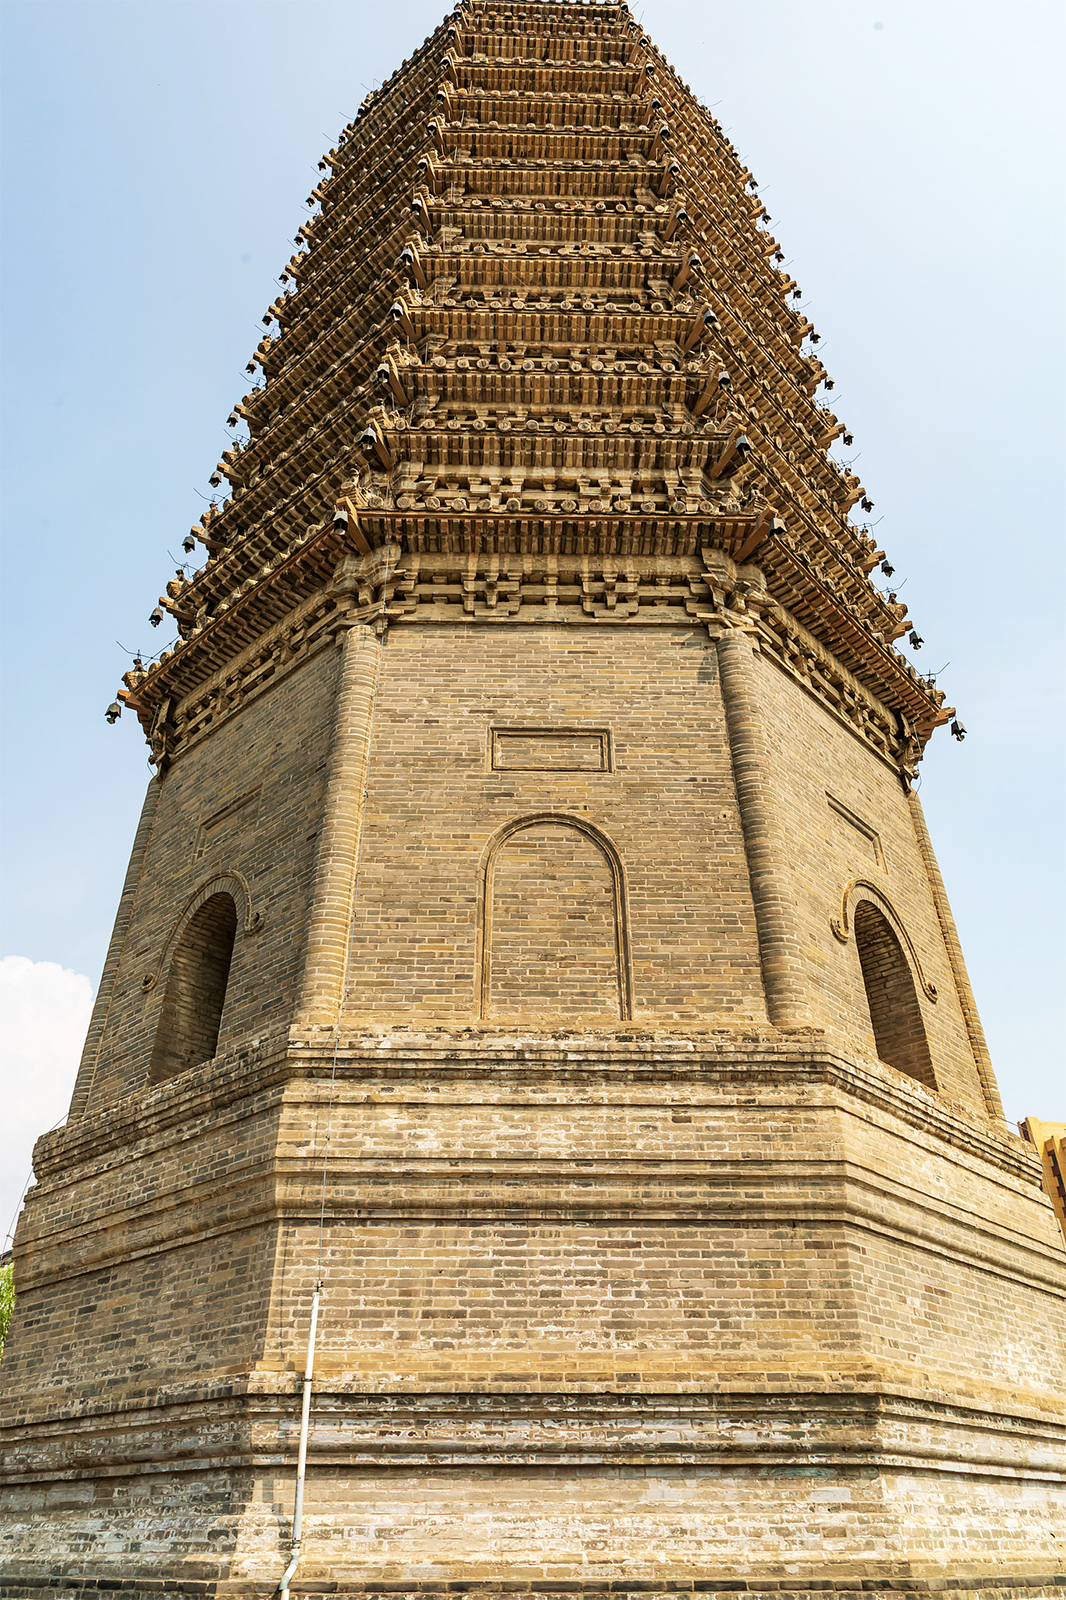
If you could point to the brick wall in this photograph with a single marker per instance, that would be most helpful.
(815, 760)
(436, 803)
(619, 732)
(245, 799)
(552, 928)
(570, 1163)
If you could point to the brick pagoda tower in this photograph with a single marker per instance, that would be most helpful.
(532, 934)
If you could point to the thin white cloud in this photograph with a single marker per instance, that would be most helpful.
(44, 1015)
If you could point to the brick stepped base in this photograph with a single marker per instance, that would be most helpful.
(1006, 1587)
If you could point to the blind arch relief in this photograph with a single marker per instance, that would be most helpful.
(553, 927)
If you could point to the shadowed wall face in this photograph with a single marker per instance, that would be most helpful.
(894, 1010)
(552, 933)
(196, 990)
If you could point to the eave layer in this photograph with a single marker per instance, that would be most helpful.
(536, 314)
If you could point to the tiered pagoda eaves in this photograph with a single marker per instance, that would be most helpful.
(537, 333)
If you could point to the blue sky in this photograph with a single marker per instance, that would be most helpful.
(156, 160)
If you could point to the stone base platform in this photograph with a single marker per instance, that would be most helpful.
(602, 1315)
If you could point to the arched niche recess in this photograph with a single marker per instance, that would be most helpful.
(553, 935)
(886, 958)
(196, 964)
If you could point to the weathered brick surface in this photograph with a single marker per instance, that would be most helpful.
(267, 763)
(585, 1304)
(545, 877)
(575, 1185)
(435, 807)
(989, 1587)
(811, 757)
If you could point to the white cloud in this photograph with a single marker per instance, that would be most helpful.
(44, 1015)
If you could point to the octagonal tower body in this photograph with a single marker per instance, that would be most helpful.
(532, 933)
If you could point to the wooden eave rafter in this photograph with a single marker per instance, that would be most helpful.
(194, 659)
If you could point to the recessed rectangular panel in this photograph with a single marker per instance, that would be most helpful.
(244, 811)
(551, 749)
(861, 827)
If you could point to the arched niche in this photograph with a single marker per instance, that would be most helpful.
(889, 962)
(553, 926)
(195, 968)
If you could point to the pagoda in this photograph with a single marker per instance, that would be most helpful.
(535, 1134)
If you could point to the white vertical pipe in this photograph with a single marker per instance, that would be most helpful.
(301, 1460)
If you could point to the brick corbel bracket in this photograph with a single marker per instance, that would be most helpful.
(738, 594)
(231, 883)
(863, 889)
(365, 580)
